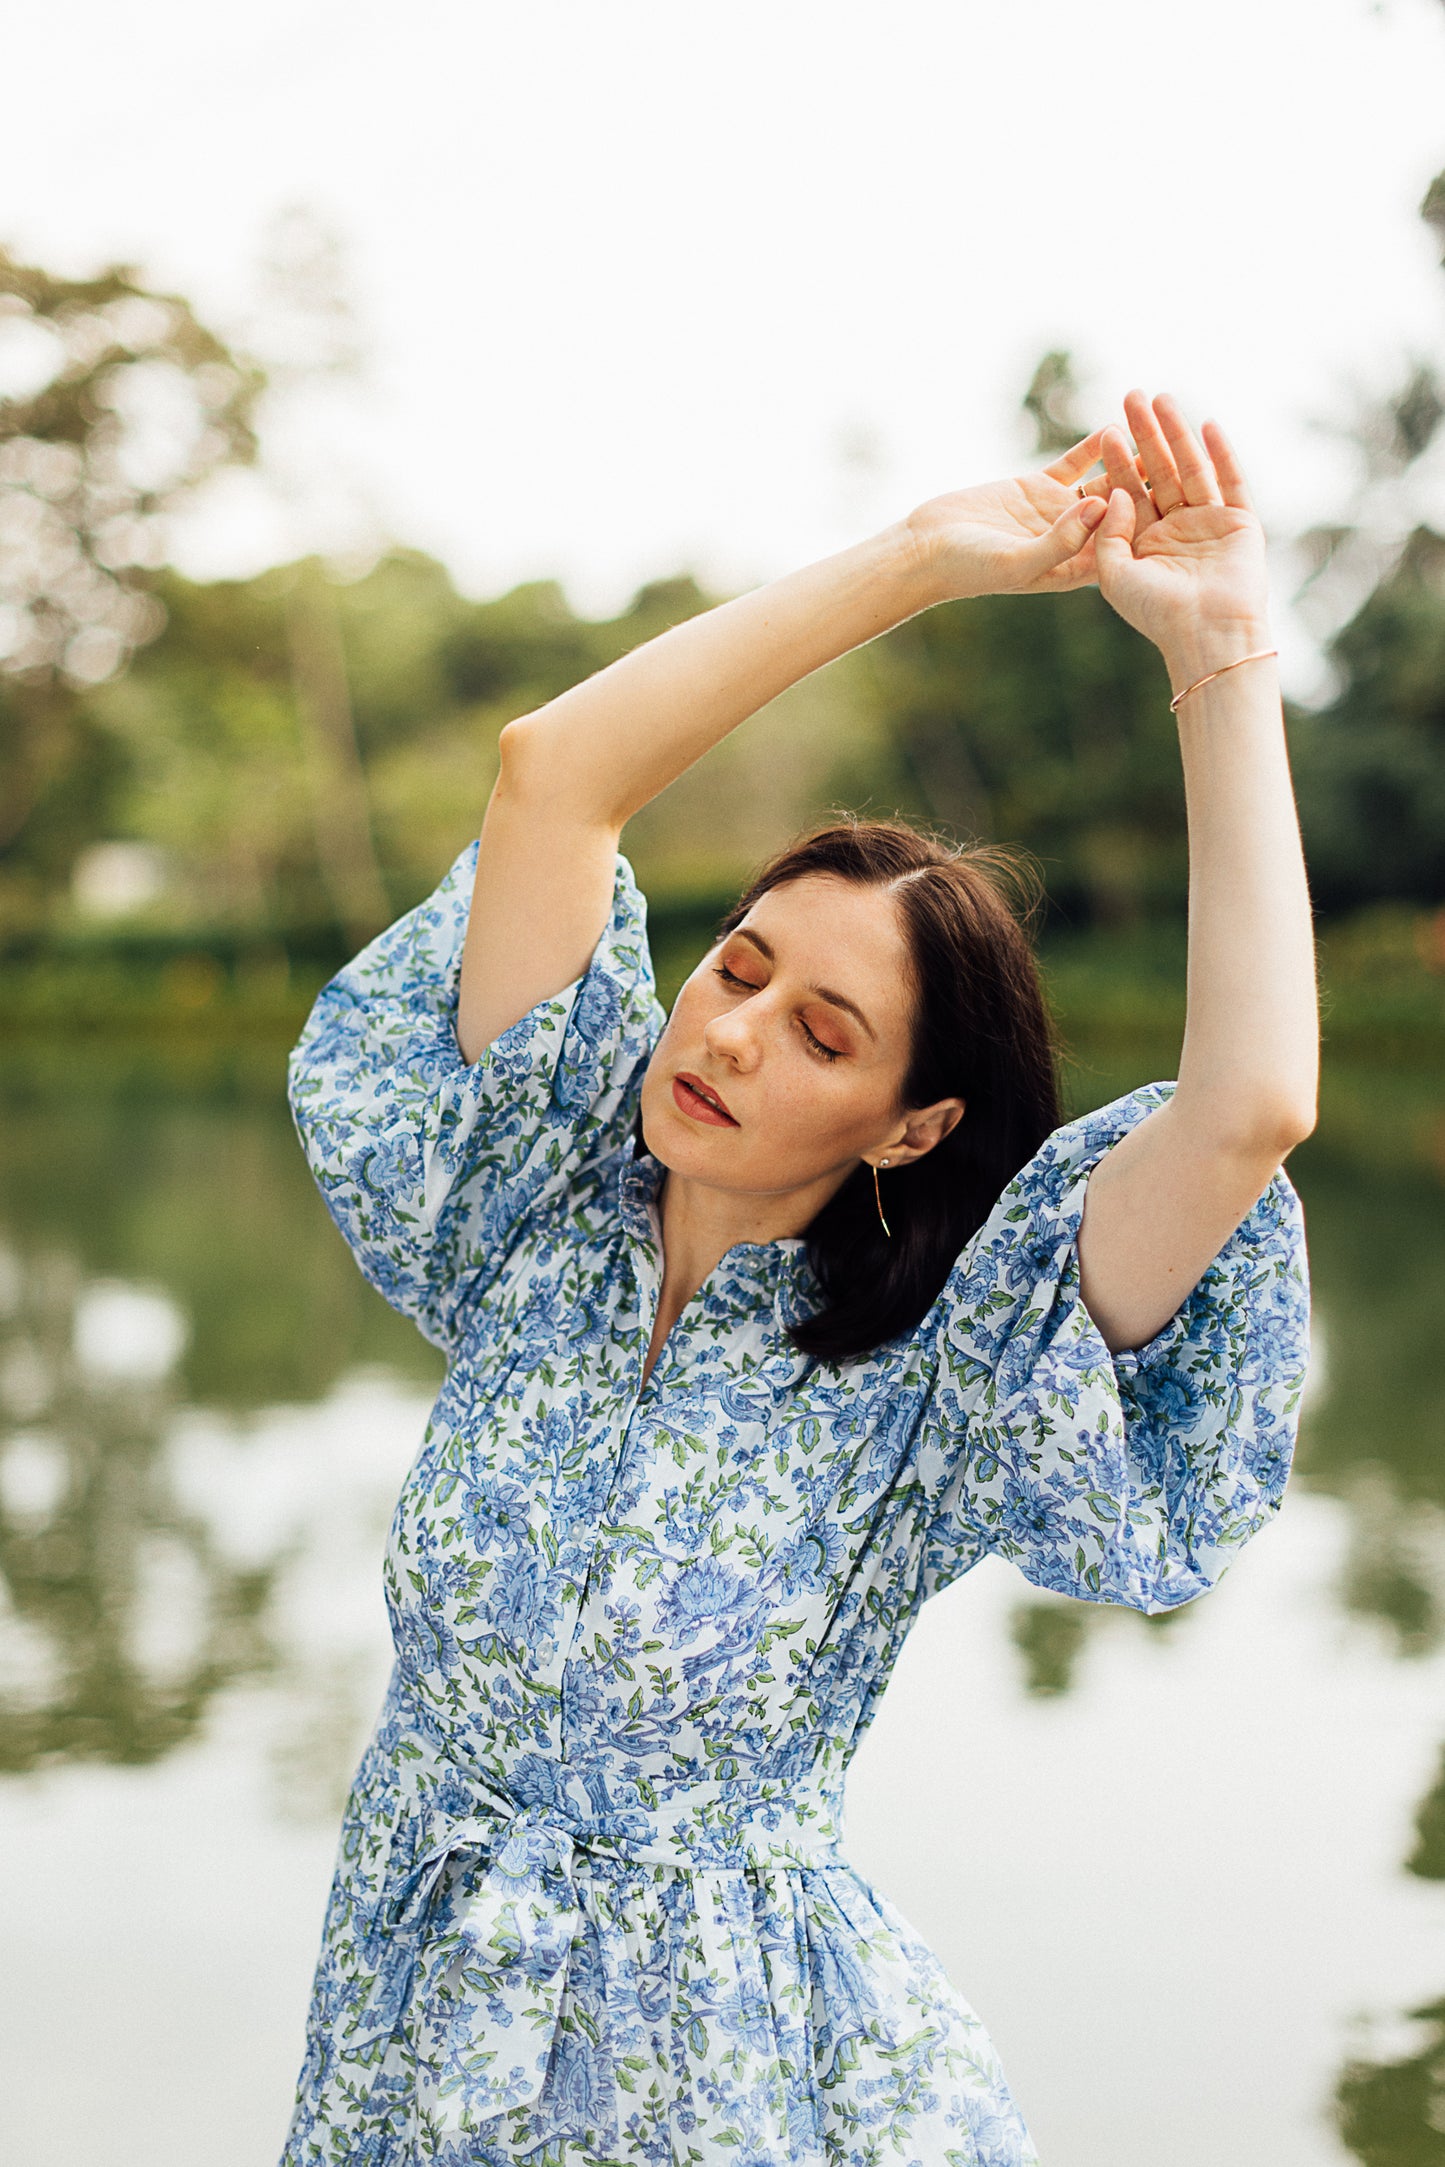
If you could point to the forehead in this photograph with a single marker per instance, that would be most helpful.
(836, 933)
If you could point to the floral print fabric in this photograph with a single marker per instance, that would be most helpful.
(590, 1902)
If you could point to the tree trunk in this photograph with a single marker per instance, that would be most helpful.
(345, 850)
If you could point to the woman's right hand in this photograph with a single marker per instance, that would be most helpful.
(1030, 534)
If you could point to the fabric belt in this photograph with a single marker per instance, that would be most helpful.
(475, 1962)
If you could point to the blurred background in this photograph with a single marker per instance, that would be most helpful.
(366, 380)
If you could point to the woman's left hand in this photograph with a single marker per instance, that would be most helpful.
(1030, 534)
(1181, 554)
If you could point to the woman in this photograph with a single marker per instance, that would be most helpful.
(766, 1320)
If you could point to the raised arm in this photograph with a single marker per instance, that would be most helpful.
(1165, 1199)
(573, 772)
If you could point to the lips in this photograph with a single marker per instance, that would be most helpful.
(695, 1097)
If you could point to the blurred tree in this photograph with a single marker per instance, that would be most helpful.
(1370, 767)
(305, 327)
(117, 405)
(268, 699)
(1044, 720)
(341, 812)
(1052, 404)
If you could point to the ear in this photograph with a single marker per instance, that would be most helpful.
(926, 1127)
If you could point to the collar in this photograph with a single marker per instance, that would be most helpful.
(749, 1273)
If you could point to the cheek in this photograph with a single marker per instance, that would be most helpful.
(821, 1113)
(816, 1116)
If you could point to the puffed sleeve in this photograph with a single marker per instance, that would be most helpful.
(430, 1165)
(1129, 1478)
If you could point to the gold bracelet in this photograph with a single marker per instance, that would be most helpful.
(1263, 653)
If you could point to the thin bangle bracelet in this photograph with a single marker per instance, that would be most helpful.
(1262, 655)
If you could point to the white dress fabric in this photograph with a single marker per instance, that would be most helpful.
(591, 1905)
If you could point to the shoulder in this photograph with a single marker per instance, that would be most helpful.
(1024, 1241)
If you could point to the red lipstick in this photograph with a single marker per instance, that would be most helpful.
(695, 1097)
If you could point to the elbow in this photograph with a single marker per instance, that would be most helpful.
(521, 756)
(1265, 1125)
(540, 772)
(1287, 1121)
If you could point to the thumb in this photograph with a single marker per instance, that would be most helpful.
(1068, 534)
(1114, 542)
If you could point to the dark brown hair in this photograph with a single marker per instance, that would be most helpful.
(981, 1032)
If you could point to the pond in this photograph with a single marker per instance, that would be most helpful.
(1190, 1870)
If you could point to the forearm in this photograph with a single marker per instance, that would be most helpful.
(602, 750)
(1249, 1066)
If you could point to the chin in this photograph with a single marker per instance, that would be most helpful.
(685, 1147)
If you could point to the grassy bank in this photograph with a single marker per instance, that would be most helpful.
(1382, 985)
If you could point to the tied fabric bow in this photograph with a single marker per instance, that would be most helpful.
(480, 1964)
(471, 1955)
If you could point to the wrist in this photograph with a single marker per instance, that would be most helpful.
(1213, 646)
(913, 562)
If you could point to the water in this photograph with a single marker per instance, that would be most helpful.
(1190, 1870)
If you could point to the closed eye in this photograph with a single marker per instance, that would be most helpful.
(745, 985)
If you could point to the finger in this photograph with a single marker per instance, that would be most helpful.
(1227, 467)
(1077, 459)
(1195, 470)
(1067, 536)
(1114, 535)
(1099, 485)
(1123, 471)
(1163, 476)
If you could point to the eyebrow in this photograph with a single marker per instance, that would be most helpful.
(836, 1000)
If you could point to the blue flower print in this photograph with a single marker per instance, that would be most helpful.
(521, 1603)
(808, 1561)
(591, 1901)
(705, 1593)
(495, 1515)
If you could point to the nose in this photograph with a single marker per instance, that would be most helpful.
(735, 1037)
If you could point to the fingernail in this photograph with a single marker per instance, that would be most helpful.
(1092, 511)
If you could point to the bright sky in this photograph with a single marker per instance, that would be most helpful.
(634, 274)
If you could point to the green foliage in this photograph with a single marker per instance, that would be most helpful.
(1388, 2113)
(1050, 1638)
(1427, 1860)
(1052, 404)
(1432, 210)
(124, 405)
(1370, 768)
(1044, 720)
(306, 754)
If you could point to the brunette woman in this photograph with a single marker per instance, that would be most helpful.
(765, 1320)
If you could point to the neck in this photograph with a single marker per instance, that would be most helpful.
(700, 1224)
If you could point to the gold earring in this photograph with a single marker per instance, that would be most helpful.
(878, 1194)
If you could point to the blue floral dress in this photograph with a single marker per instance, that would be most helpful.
(590, 1904)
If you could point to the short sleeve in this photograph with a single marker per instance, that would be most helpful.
(430, 1165)
(1132, 1478)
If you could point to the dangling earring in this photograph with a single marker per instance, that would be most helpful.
(877, 1193)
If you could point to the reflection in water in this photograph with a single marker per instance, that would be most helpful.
(1392, 2113)
(1428, 1857)
(121, 1618)
(1391, 2110)
(1049, 1636)
(160, 1249)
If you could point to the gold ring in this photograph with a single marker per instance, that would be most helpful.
(1080, 490)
